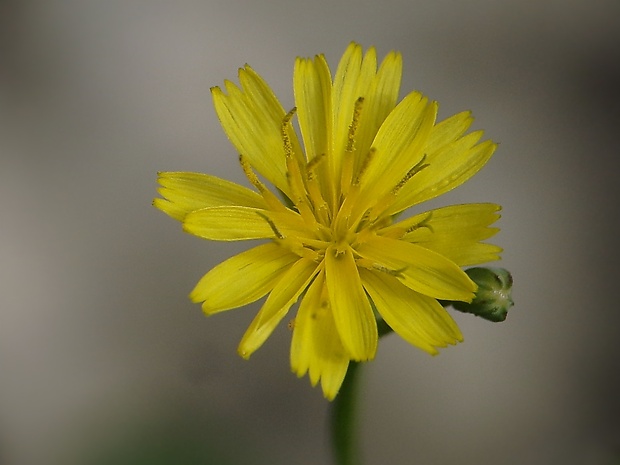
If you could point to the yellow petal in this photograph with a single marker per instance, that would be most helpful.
(418, 268)
(242, 279)
(186, 192)
(379, 100)
(265, 103)
(470, 220)
(344, 94)
(399, 144)
(352, 312)
(448, 167)
(312, 85)
(418, 319)
(243, 223)
(285, 293)
(448, 130)
(454, 232)
(302, 344)
(362, 88)
(466, 255)
(253, 123)
(316, 345)
(357, 77)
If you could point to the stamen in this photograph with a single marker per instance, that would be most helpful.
(298, 178)
(410, 174)
(293, 244)
(271, 200)
(295, 180)
(321, 208)
(249, 173)
(388, 199)
(288, 147)
(312, 164)
(421, 224)
(272, 225)
(364, 166)
(370, 265)
(382, 222)
(346, 218)
(346, 176)
(357, 112)
(396, 273)
(400, 231)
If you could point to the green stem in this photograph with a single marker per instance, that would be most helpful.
(343, 419)
(343, 415)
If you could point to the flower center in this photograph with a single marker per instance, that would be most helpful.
(335, 213)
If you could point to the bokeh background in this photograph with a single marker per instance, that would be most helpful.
(103, 359)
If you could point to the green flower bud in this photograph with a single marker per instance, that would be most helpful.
(494, 295)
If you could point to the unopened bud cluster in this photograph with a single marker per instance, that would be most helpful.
(494, 295)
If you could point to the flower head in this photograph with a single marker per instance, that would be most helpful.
(332, 238)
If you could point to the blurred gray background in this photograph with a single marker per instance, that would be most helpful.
(103, 359)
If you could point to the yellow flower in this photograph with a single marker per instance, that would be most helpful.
(334, 241)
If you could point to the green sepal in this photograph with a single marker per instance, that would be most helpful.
(494, 295)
